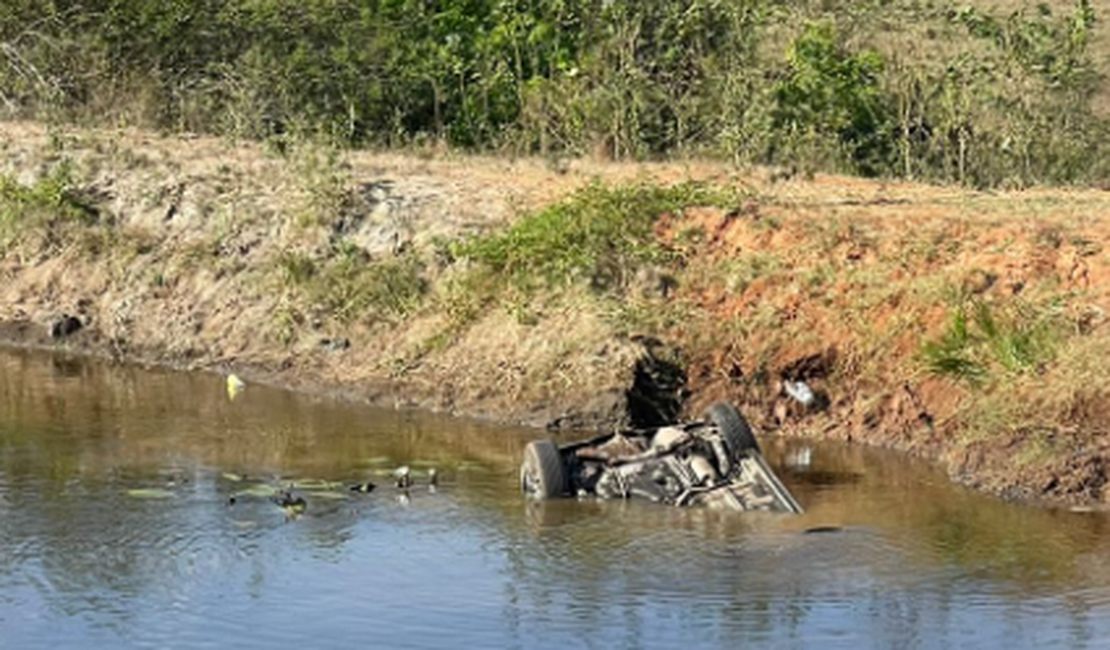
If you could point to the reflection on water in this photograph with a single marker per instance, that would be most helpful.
(915, 562)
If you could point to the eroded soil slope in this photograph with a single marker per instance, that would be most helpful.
(961, 326)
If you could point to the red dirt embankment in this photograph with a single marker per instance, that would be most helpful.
(848, 297)
(208, 255)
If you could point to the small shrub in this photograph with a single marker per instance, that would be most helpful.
(325, 183)
(951, 355)
(38, 210)
(981, 341)
(296, 269)
(465, 296)
(833, 92)
(599, 236)
(350, 286)
(745, 269)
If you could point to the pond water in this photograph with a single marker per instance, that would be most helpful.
(87, 560)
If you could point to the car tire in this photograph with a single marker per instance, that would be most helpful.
(543, 474)
(735, 432)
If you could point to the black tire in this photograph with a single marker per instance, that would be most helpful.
(735, 432)
(543, 474)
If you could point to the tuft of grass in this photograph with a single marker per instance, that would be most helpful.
(40, 209)
(297, 269)
(325, 183)
(600, 236)
(285, 320)
(349, 286)
(465, 296)
(741, 271)
(951, 355)
(982, 341)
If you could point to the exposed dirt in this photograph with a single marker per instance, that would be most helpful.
(848, 294)
(191, 278)
(836, 283)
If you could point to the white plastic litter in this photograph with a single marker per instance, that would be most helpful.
(799, 391)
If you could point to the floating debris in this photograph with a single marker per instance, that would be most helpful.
(800, 458)
(364, 488)
(799, 391)
(235, 385)
(293, 504)
(234, 478)
(392, 473)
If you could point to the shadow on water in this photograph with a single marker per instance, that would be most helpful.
(904, 558)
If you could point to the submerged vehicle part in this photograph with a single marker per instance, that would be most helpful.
(714, 462)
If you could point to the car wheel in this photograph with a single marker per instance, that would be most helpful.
(735, 432)
(543, 474)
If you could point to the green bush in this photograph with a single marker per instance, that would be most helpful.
(37, 210)
(987, 99)
(600, 236)
(836, 95)
(981, 341)
(349, 286)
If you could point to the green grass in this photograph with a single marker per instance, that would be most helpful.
(325, 183)
(37, 209)
(349, 286)
(600, 236)
(982, 341)
(952, 354)
(296, 269)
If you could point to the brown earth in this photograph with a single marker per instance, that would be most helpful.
(839, 283)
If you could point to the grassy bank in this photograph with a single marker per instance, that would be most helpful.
(963, 326)
(982, 94)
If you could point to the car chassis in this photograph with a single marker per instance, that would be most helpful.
(713, 462)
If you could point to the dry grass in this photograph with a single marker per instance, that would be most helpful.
(840, 282)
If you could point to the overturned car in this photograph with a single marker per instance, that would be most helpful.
(714, 462)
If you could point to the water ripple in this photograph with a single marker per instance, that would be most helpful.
(910, 562)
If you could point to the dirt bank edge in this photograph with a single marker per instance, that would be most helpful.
(837, 283)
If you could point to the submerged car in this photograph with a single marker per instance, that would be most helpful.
(714, 462)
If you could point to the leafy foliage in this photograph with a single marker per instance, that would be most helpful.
(995, 100)
(835, 93)
(979, 342)
(599, 236)
(39, 208)
(1054, 49)
(348, 286)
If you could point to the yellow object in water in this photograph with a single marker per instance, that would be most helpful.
(234, 386)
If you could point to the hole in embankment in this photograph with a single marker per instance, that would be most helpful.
(655, 397)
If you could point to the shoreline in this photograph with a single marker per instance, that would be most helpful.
(36, 339)
(354, 280)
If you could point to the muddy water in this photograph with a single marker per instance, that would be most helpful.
(87, 562)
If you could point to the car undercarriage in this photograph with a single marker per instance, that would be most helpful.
(714, 462)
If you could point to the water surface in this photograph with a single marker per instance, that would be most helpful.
(84, 563)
